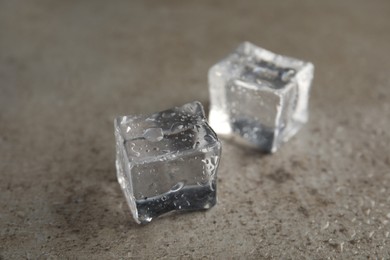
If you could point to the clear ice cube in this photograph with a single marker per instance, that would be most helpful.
(259, 97)
(167, 161)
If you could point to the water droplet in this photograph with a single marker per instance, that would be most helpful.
(153, 134)
(196, 145)
(287, 75)
(176, 127)
(202, 182)
(146, 219)
(163, 198)
(214, 160)
(208, 138)
(133, 150)
(178, 186)
(167, 114)
(152, 118)
(122, 182)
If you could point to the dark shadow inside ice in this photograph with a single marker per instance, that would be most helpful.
(189, 198)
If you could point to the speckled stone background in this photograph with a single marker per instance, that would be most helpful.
(67, 68)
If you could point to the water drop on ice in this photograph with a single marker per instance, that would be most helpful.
(153, 134)
(133, 150)
(178, 186)
(176, 127)
(208, 138)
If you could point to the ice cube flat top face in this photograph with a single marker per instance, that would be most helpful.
(167, 161)
(165, 133)
(259, 95)
(261, 68)
(264, 74)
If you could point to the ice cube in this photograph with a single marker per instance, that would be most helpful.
(259, 97)
(167, 161)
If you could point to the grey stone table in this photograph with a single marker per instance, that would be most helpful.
(67, 68)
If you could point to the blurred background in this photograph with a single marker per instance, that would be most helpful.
(67, 68)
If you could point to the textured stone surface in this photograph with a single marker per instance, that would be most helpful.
(68, 68)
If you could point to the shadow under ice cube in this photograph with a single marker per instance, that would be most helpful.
(259, 96)
(167, 161)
